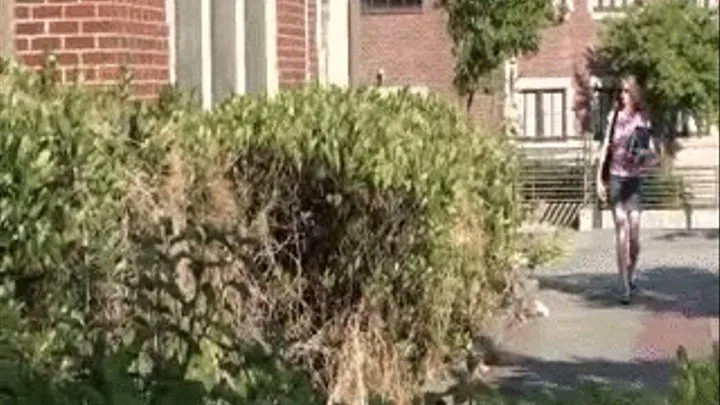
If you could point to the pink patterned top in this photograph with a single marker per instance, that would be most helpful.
(626, 123)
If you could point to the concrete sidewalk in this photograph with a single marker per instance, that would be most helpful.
(589, 336)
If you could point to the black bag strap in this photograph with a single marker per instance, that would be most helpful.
(613, 120)
(605, 170)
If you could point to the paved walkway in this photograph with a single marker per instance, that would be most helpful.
(590, 336)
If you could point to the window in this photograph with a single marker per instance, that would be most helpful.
(603, 99)
(392, 5)
(204, 63)
(543, 113)
(216, 53)
(709, 4)
(603, 8)
(611, 5)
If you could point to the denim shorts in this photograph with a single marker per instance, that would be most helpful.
(626, 190)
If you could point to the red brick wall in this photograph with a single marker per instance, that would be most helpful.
(96, 38)
(296, 44)
(564, 48)
(414, 49)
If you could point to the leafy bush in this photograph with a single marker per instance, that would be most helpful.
(696, 382)
(323, 243)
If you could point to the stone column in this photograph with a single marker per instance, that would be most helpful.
(7, 36)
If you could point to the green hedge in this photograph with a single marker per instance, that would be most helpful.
(355, 238)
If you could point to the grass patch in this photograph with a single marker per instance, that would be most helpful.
(544, 245)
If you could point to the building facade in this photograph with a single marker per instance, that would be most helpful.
(218, 47)
(221, 47)
(559, 93)
(553, 97)
(400, 43)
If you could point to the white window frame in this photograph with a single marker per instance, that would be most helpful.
(712, 4)
(419, 90)
(262, 18)
(367, 8)
(598, 82)
(599, 15)
(548, 83)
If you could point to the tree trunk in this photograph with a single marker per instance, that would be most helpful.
(469, 101)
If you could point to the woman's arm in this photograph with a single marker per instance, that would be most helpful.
(604, 147)
(656, 153)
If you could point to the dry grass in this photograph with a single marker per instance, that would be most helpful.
(356, 354)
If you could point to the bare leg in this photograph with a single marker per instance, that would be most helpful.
(622, 239)
(634, 243)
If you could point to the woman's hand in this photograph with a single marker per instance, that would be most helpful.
(601, 190)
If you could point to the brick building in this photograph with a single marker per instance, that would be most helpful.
(407, 41)
(554, 96)
(221, 47)
(218, 47)
(559, 92)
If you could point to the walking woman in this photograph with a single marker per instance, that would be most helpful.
(627, 151)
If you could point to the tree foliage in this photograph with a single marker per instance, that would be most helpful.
(486, 33)
(671, 46)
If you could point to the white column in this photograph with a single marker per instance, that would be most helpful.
(321, 39)
(240, 81)
(306, 15)
(7, 34)
(172, 44)
(206, 52)
(271, 56)
(338, 42)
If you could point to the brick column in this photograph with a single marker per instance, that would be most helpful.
(296, 41)
(95, 38)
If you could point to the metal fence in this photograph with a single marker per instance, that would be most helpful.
(555, 190)
(678, 188)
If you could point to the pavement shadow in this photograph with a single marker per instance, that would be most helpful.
(691, 291)
(537, 375)
(676, 236)
(533, 379)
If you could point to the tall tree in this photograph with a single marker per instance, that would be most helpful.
(672, 47)
(486, 33)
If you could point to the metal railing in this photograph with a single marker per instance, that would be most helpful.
(555, 190)
(553, 181)
(678, 188)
